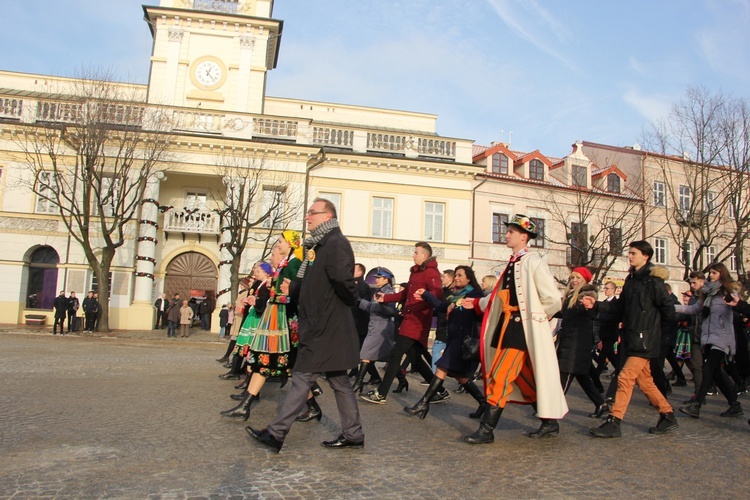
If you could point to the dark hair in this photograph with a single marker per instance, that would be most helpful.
(697, 275)
(361, 267)
(425, 245)
(470, 275)
(450, 272)
(644, 247)
(724, 277)
(329, 206)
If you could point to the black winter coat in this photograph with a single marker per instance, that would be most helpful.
(609, 325)
(643, 305)
(362, 318)
(575, 339)
(328, 340)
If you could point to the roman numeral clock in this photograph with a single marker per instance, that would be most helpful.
(208, 73)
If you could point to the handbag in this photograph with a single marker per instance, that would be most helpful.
(470, 349)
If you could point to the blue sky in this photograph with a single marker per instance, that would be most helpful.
(542, 74)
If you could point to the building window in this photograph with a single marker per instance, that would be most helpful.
(711, 201)
(536, 170)
(45, 194)
(733, 263)
(660, 251)
(710, 254)
(434, 214)
(108, 198)
(382, 217)
(579, 235)
(42, 286)
(731, 209)
(659, 200)
(334, 198)
(499, 164)
(498, 228)
(95, 283)
(615, 241)
(613, 183)
(580, 175)
(273, 204)
(684, 198)
(195, 201)
(687, 253)
(538, 242)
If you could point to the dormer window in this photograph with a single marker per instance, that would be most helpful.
(613, 183)
(499, 164)
(536, 170)
(580, 175)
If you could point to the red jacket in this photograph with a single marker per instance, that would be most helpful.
(418, 313)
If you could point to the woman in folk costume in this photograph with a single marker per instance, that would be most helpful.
(518, 356)
(256, 301)
(461, 323)
(246, 288)
(273, 346)
(576, 339)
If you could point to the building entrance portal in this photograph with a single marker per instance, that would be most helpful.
(191, 274)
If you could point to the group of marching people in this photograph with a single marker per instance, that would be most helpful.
(507, 331)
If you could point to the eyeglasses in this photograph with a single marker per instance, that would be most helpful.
(313, 212)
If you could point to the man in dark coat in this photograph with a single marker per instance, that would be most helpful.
(328, 343)
(173, 316)
(161, 305)
(362, 317)
(73, 306)
(90, 309)
(61, 311)
(643, 305)
(415, 327)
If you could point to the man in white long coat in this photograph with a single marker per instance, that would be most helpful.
(519, 362)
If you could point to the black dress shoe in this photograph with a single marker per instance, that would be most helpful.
(342, 442)
(548, 428)
(264, 437)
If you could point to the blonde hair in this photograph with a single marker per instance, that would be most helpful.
(491, 281)
(573, 291)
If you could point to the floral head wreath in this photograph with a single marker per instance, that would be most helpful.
(293, 238)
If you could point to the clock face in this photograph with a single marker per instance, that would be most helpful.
(208, 73)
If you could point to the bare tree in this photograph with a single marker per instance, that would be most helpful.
(596, 225)
(702, 157)
(259, 200)
(90, 154)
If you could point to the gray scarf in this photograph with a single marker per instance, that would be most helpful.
(311, 241)
(709, 291)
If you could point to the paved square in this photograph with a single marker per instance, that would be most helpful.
(91, 417)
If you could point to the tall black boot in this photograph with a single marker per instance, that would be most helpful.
(402, 382)
(549, 428)
(423, 405)
(359, 381)
(476, 393)
(485, 432)
(313, 412)
(230, 348)
(242, 409)
(234, 372)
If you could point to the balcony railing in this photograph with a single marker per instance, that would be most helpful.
(272, 127)
(333, 136)
(223, 6)
(189, 221)
(11, 108)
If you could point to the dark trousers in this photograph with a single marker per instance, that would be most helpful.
(612, 389)
(713, 373)
(71, 321)
(566, 379)
(400, 348)
(90, 321)
(695, 364)
(172, 328)
(295, 400)
(161, 319)
(206, 321)
(59, 320)
(607, 352)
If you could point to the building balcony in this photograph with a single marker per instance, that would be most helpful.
(192, 222)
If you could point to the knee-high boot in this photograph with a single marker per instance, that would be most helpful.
(423, 405)
(485, 432)
(359, 381)
(230, 348)
(476, 393)
(234, 372)
(242, 409)
(313, 412)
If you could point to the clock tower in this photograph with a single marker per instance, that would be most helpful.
(212, 54)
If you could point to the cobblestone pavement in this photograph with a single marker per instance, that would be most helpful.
(137, 417)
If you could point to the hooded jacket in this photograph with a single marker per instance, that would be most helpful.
(717, 329)
(642, 307)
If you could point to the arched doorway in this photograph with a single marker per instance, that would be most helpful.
(192, 275)
(41, 287)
